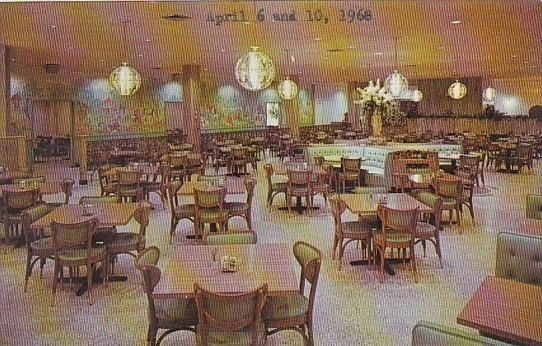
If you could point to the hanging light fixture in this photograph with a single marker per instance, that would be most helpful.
(457, 90)
(396, 83)
(489, 94)
(125, 79)
(417, 95)
(255, 70)
(287, 88)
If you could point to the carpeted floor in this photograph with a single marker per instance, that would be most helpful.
(352, 306)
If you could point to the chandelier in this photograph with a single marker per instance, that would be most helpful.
(254, 70)
(396, 83)
(417, 96)
(489, 94)
(125, 79)
(287, 88)
(457, 90)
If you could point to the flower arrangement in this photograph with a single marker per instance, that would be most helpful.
(375, 95)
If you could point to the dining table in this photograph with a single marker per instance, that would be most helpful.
(281, 170)
(507, 310)
(271, 264)
(45, 188)
(7, 176)
(234, 186)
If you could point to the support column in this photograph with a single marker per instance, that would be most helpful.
(353, 110)
(82, 154)
(4, 91)
(191, 105)
(291, 112)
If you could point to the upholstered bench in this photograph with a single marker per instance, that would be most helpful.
(428, 333)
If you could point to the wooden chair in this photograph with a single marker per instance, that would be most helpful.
(73, 248)
(398, 229)
(171, 314)
(273, 189)
(230, 319)
(450, 191)
(38, 247)
(194, 164)
(425, 230)
(243, 209)
(210, 209)
(471, 163)
(350, 172)
(15, 202)
(320, 185)
(231, 238)
(178, 211)
(299, 185)
(349, 231)
(523, 157)
(159, 182)
(294, 312)
(239, 160)
(108, 182)
(468, 181)
(128, 242)
(129, 185)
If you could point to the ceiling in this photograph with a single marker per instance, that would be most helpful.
(499, 39)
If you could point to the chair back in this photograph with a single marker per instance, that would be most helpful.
(269, 171)
(231, 238)
(435, 202)
(446, 187)
(230, 312)
(209, 198)
(177, 161)
(250, 185)
(149, 256)
(310, 260)
(299, 176)
(151, 275)
(338, 207)
(319, 160)
(350, 164)
(19, 200)
(397, 220)
(128, 177)
(141, 215)
(73, 235)
(524, 151)
(472, 162)
(239, 153)
(518, 258)
(29, 216)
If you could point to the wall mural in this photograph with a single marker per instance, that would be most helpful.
(21, 95)
(306, 109)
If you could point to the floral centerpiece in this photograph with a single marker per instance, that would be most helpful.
(379, 109)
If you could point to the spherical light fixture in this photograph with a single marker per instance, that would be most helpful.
(457, 90)
(125, 80)
(417, 96)
(254, 70)
(489, 94)
(396, 83)
(287, 89)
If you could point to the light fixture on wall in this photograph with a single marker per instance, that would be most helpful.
(287, 88)
(396, 83)
(457, 90)
(417, 95)
(125, 79)
(489, 94)
(255, 70)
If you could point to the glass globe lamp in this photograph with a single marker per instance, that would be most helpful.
(125, 80)
(396, 83)
(287, 89)
(489, 94)
(417, 96)
(457, 90)
(254, 70)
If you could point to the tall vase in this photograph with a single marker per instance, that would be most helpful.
(377, 122)
(368, 122)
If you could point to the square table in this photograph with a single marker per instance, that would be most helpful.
(273, 264)
(505, 309)
(234, 186)
(362, 204)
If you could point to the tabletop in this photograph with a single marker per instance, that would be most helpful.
(10, 175)
(273, 264)
(47, 188)
(234, 186)
(427, 179)
(507, 309)
(364, 204)
(282, 169)
(108, 214)
(146, 169)
(118, 153)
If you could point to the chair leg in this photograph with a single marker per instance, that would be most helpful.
(28, 269)
(413, 262)
(55, 274)
(172, 230)
(89, 283)
(439, 251)
(382, 250)
(310, 333)
(341, 252)
(151, 335)
(334, 249)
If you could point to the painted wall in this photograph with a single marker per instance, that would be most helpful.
(517, 96)
(331, 102)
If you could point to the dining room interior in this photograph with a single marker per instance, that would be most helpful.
(258, 172)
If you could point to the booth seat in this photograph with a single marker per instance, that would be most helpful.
(376, 158)
(427, 333)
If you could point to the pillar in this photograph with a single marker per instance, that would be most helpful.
(191, 105)
(353, 109)
(4, 91)
(291, 112)
(82, 155)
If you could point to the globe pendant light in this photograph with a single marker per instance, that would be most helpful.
(255, 70)
(287, 88)
(489, 94)
(125, 79)
(396, 83)
(457, 90)
(417, 96)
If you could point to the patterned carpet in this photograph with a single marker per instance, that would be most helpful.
(352, 306)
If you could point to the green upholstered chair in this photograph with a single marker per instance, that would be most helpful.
(519, 258)
(273, 189)
(243, 209)
(179, 211)
(347, 232)
(107, 181)
(130, 242)
(350, 172)
(15, 202)
(294, 312)
(210, 208)
(38, 247)
(171, 314)
(231, 238)
(534, 207)
(73, 248)
(428, 333)
(451, 193)
(230, 319)
(129, 185)
(429, 229)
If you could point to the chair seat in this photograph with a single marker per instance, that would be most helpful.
(370, 221)
(320, 187)
(348, 175)
(172, 312)
(299, 190)
(236, 207)
(130, 191)
(448, 203)
(77, 255)
(393, 237)
(425, 230)
(285, 307)
(42, 245)
(232, 338)
(124, 240)
(185, 210)
(213, 214)
(355, 229)
(279, 186)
